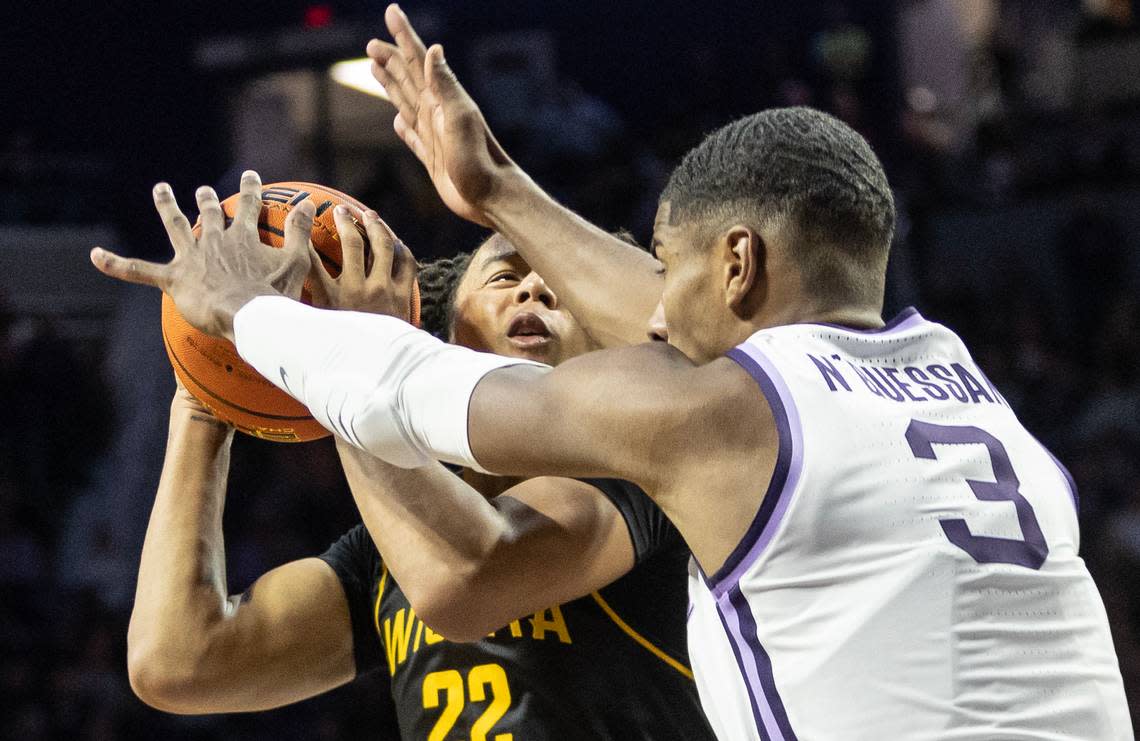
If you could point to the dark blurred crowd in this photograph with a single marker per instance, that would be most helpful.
(84, 424)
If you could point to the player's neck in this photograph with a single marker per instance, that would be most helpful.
(488, 485)
(808, 311)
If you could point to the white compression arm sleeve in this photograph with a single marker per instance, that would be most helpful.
(375, 381)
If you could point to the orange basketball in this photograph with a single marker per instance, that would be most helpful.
(211, 369)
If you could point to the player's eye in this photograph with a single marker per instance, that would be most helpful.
(506, 275)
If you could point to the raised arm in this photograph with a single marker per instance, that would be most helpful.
(610, 286)
(193, 648)
(470, 565)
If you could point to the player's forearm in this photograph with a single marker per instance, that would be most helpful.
(181, 594)
(469, 565)
(375, 381)
(438, 536)
(611, 287)
(409, 399)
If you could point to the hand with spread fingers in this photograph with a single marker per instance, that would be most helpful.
(380, 286)
(438, 120)
(223, 268)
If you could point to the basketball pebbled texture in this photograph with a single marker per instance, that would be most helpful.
(211, 369)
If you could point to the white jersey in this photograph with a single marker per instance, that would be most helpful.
(912, 572)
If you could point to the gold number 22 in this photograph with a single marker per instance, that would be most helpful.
(478, 680)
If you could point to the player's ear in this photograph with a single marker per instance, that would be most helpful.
(744, 253)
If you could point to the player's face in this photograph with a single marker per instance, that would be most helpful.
(504, 307)
(691, 315)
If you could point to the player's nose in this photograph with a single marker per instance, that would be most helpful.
(657, 330)
(533, 287)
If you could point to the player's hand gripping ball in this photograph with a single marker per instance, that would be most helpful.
(378, 274)
(211, 369)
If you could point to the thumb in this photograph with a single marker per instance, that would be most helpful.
(440, 77)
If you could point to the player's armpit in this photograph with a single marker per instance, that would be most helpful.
(287, 638)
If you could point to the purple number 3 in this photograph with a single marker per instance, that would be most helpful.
(1030, 551)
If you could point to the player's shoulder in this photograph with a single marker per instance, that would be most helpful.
(724, 394)
(716, 417)
(690, 386)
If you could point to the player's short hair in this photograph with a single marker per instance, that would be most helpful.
(439, 280)
(801, 169)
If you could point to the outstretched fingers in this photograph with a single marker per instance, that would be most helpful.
(210, 213)
(130, 269)
(401, 79)
(176, 224)
(391, 70)
(411, 47)
(404, 107)
(249, 201)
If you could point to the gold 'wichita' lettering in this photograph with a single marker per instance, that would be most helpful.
(399, 637)
(555, 622)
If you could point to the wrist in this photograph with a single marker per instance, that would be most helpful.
(230, 305)
(187, 413)
(510, 191)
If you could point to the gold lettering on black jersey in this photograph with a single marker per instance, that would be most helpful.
(550, 620)
(397, 635)
(405, 630)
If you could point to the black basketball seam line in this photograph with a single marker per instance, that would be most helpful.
(280, 233)
(174, 356)
(321, 209)
(274, 230)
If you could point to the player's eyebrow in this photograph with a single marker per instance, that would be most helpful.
(505, 252)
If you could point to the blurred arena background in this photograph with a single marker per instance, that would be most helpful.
(1010, 130)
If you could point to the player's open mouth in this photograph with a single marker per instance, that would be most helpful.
(528, 330)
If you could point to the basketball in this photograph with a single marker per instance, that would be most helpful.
(211, 369)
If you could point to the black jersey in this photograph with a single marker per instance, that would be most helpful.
(611, 665)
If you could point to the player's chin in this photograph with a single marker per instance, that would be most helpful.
(540, 348)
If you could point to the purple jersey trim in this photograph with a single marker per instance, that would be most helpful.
(1070, 483)
(785, 476)
(906, 319)
(768, 711)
